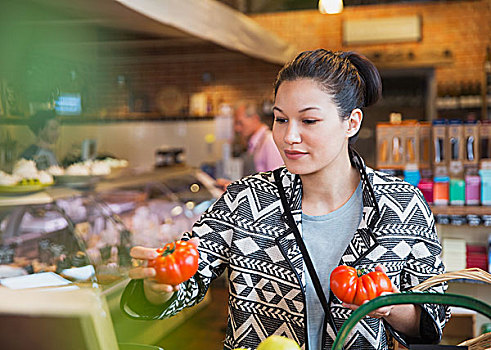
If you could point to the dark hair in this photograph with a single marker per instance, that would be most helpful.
(38, 121)
(350, 78)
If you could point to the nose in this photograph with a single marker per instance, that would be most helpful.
(292, 134)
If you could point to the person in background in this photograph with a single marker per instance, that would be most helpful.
(262, 154)
(280, 233)
(45, 127)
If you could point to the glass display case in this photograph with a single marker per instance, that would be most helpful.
(83, 239)
(98, 227)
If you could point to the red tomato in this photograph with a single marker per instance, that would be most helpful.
(353, 287)
(178, 262)
(382, 282)
(343, 283)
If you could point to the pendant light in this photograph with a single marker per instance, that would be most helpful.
(330, 6)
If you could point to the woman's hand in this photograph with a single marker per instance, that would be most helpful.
(381, 312)
(156, 293)
(222, 183)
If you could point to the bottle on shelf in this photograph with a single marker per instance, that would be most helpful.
(454, 93)
(465, 94)
(472, 186)
(487, 87)
(441, 97)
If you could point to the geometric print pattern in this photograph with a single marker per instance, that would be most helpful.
(245, 233)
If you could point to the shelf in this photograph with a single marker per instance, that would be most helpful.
(128, 179)
(461, 210)
(34, 198)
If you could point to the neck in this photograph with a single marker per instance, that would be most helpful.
(330, 188)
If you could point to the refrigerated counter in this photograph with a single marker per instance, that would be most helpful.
(65, 237)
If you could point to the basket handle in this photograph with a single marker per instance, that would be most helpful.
(408, 298)
(474, 273)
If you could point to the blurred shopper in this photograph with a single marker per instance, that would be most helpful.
(262, 153)
(45, 127)
(279, 234)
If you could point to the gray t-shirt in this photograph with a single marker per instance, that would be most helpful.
(326, 238)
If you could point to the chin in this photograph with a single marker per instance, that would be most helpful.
(298, 169)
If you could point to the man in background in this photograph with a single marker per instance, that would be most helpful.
(262, 154)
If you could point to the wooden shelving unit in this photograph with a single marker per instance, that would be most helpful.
(461, 210)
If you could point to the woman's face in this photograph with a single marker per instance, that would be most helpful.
(307, 130)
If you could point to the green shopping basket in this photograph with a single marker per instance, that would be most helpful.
(419, 297)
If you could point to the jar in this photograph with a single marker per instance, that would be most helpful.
(472, 189)
(441, 190)
(426, 188)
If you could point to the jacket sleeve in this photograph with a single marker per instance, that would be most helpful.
(424, 262)
(214, 228)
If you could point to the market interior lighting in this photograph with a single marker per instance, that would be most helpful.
(330, 7)
(176, 211)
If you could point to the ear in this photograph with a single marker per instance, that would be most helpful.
(354, 122)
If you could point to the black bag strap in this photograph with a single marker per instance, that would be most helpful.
(301, 245)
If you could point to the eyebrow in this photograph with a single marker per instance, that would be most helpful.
(300, 111)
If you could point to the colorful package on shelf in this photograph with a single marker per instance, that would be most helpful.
(489, 253)
(426, 187)
(485, 186)
(454, 254)
(472, 187)
(412, 175)
(476, 256)
(441, 190)
(457, 191)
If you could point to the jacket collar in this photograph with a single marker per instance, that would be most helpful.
(363, 241)
(371, 213)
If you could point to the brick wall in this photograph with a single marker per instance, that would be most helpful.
(233, 76)
(462, 27)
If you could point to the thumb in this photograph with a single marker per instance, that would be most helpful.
(194, 241)
(380, 268)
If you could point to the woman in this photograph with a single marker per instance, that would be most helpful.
(45, 127)
(281, 233)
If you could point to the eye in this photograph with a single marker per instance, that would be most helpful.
(280, 120)
(309, 121)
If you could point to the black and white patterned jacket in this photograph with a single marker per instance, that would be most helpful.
(245, 232)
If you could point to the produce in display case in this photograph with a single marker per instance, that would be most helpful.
(87, 238)
(43, 238)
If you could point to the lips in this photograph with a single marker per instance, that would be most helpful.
(292, 154)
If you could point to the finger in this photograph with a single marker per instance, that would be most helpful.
(194, 241)
(143, 253)
(141, 272)
(350, 306)
(381, 268)
(381, 312)
(163, 288)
